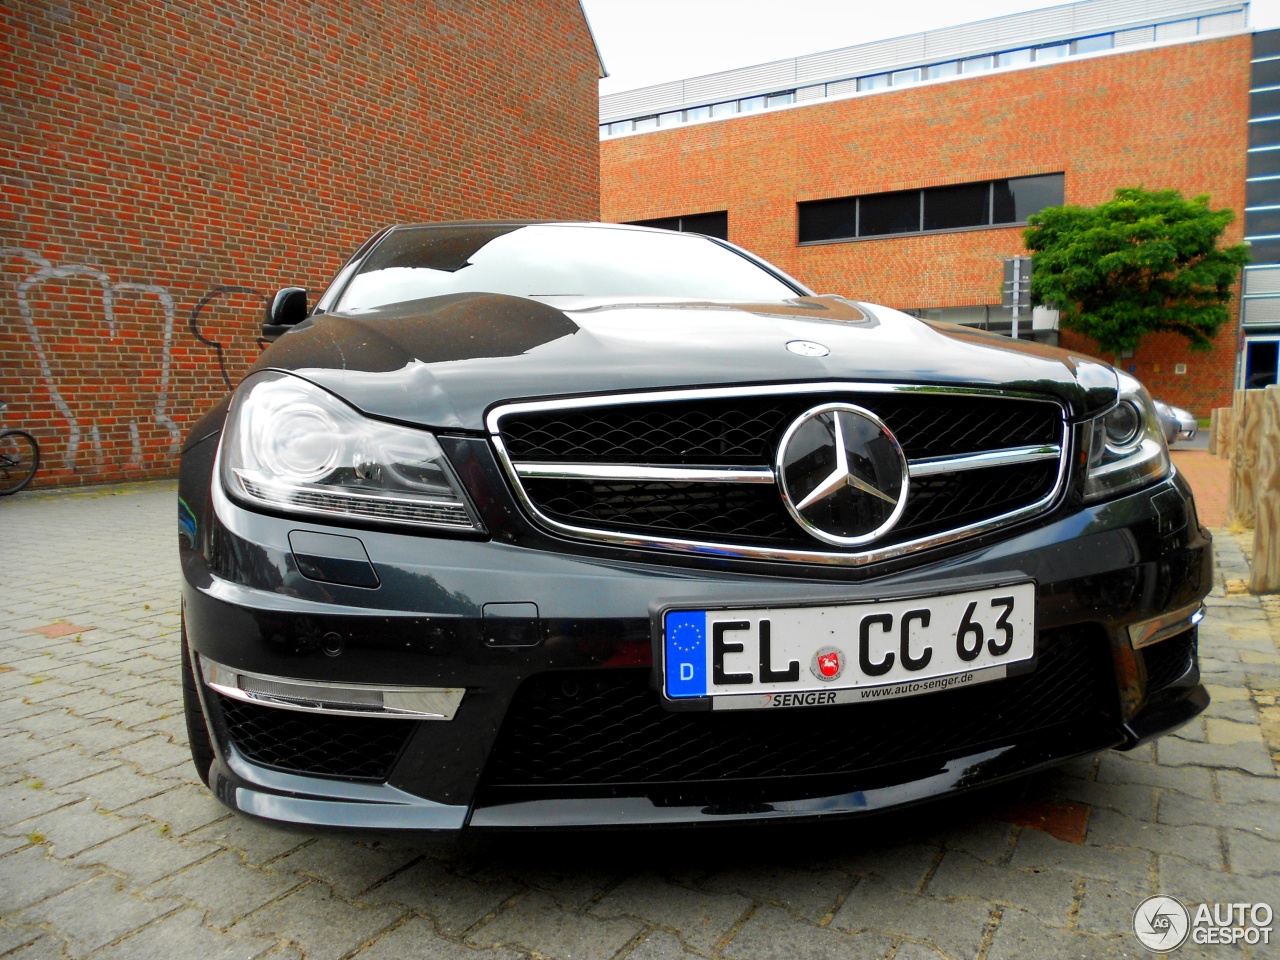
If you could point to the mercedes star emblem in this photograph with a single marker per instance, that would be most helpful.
(842, 474)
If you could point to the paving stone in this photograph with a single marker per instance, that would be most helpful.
(918, 951)
(1252, 854)
(13, 936)
(1040, 851)
(1048, 893)
(28, 798)
(318, 923)
(73, 828)
(701, 918)
(455, 903)
(153, 754)
(146, 854)
(68, 765)
(350, 867)
(1106, 907)
(94, 914)
(419, 940)
(224, 888)
(99, 737)
(161, 940)
(1021, 935)
(1249, 757)
(30, 875)
(955, 927)
(1243, 788)
(904, 866)
(1199, 844)
(1193, 731)
(810, 895)
(772, 934)
(1260, 818)
(182, 808)
(535, 922)
(257, 842)
(1192, 884)
(46, 948)
(114, 788)
(1119, 768)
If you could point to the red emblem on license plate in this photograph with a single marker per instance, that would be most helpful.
(827, 664)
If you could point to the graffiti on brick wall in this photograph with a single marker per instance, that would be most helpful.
(218, 346)
(105, 352)
(85, 426)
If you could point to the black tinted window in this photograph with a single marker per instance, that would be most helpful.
(1017, 199)
(964, 205)
(889, 213)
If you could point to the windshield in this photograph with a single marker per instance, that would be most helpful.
(555, 260)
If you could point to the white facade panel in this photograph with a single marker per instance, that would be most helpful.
(1261, 281)
(1131, 20)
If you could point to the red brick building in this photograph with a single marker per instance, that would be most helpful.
(168, 164)
(942, 120)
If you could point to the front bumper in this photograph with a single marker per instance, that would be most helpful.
(491, 617)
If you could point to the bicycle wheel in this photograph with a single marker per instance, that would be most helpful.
(19, 459)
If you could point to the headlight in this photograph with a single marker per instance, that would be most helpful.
(1127, 447)
(291, 446)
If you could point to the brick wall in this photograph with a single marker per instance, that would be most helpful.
(1173, 116)
(166, 166)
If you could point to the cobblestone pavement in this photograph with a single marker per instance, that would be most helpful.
(110, 848)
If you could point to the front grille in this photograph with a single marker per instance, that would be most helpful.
(608, 729)
(349, 748)
(1168, 660)
(744, 432)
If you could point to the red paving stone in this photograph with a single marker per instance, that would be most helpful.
(1208, 477)
(1064, 820)
(63, 629)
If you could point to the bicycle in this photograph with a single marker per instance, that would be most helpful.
(19, 459)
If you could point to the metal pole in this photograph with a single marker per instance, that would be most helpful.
(1017, 292)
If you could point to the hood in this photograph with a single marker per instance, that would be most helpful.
(444, 361)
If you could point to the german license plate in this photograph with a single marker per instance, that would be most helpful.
(762, 657)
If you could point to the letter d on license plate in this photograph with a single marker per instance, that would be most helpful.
(764, 657)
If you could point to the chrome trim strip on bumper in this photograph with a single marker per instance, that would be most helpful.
(1146, 632)
(932, 466)
(334, 699)
(639, 473)
(493, 421)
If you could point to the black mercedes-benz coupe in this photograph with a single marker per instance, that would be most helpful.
(530, 524)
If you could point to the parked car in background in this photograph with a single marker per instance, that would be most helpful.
(1178, 423)
(584, 524)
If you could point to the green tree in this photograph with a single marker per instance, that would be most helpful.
(1146, 261)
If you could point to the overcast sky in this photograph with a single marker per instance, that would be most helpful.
(650, 41)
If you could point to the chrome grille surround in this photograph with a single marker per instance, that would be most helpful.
(518, 471)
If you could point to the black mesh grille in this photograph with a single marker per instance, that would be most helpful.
(745, 430)
(1168, 660)
(351, 748)
(753, 513)
(608, 728)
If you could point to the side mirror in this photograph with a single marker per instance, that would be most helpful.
(288, 309)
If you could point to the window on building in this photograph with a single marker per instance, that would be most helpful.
(709, 224)
(646, 123)
(901, 78)
(964, 205)
(780, 99)
(724, 109)
(937, 70)
(748, 104)
(697, 113)
(1016, 199)
(1103, 41)
(954, 207)
(671, 119)
(1053, 51)
(976, 64)
(1013, 58)
(879, 82)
